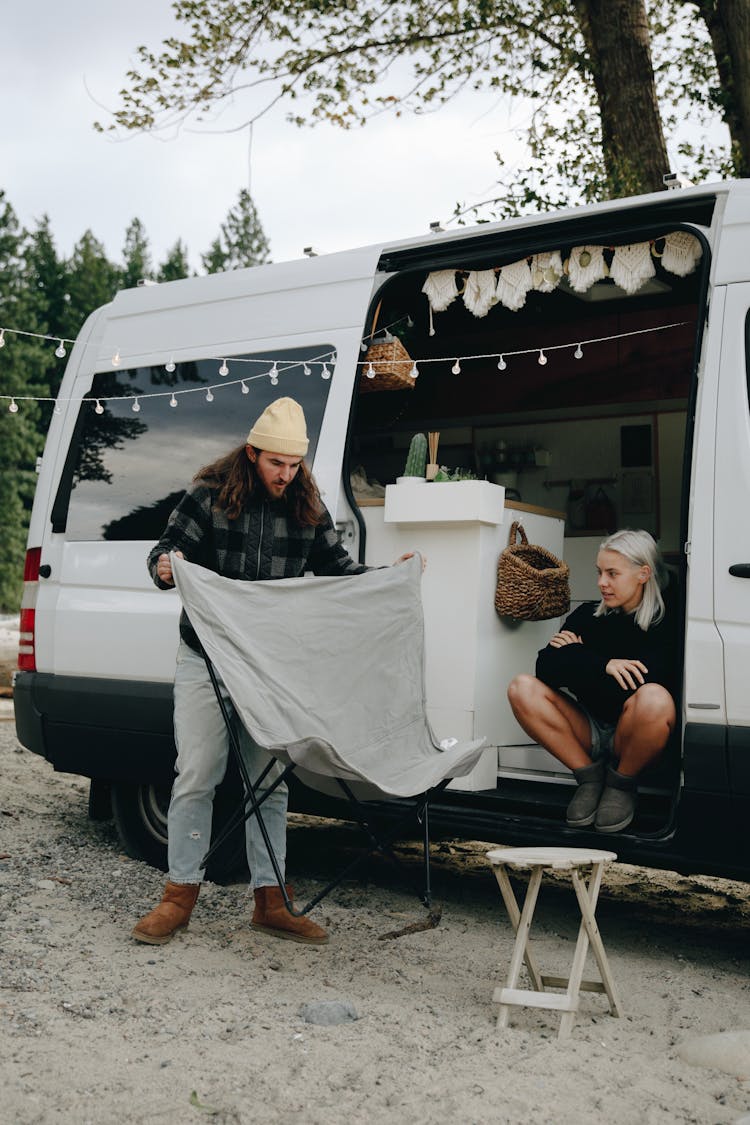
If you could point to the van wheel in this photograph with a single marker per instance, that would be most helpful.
(140, 810)
(140, 815)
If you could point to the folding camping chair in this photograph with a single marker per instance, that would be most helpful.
(383, 750)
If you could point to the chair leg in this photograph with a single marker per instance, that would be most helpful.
(522, 937)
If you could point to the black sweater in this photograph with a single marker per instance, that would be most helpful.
(581, 667)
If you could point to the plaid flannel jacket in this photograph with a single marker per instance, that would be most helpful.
(264, 542)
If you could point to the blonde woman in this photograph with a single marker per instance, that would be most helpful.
(602, 699)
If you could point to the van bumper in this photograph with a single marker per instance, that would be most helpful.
(114, 730)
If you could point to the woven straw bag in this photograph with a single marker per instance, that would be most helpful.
(390, 361)
(532, 583)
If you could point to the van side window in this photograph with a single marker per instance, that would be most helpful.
(147, 431)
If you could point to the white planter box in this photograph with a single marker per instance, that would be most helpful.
(436, 502)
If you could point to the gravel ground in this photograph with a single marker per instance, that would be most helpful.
(96, 1028)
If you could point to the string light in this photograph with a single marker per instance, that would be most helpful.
(245, 388)
(209, 396)
(173, 401)
(224, 369)
(578, 353)
(542, 358)
(414, 373)
(325, 373)
(13, 408)
(456, 369)
(136, 406)
(501, 364)
(306, 369)
(2, 337)
(99, 408)
(273, 374)
(170, 366)
(60, 350)
(370, 371)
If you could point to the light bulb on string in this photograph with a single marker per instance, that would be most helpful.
(57, 409)
(542, 358)
(273, 375)
(60, 350)
(170, 366)
(98, 409)
(501, 364)
(209, 396)
(245, 388)
(578, 353)
(363, 346)
(306, 369)
(13, 408)
(116, 361)
(173, 401)
(2, 337)
(456, 369)
(370, 371)
(224, 369)
(414, 373)
(136, 406)
(325, 373)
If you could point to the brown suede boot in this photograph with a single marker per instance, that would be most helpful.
(172, 914)
(272, 917)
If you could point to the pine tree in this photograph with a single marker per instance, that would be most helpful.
(22, 363)
(175, 265)
(242, 241)
(136, 256)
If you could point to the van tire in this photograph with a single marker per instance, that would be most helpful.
(140, 809)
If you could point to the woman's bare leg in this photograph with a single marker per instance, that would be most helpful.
(551, 720)
(646, 722)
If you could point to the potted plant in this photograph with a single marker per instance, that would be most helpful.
(416, 461)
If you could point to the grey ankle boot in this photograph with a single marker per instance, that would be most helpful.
(582, 809)
(617, 806)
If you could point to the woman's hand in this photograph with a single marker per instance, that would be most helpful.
(565, 638)
(628, 673)
(164, 568)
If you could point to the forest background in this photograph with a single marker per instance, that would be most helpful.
(619, 92)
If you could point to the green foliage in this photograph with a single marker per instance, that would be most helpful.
(242, 241)
(175, 265)
(345, 61)
(136, 256)
(416, 459)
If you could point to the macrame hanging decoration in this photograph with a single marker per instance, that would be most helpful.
(632, 266)
(513, 283)
(586, 266)
(479, 292)
(681, 253)
(546, 271)
(441, 290)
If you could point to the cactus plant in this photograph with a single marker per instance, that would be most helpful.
(416, 460)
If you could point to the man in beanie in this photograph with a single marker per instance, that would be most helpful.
(254, 514)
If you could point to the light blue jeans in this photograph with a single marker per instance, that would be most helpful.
(202, 752)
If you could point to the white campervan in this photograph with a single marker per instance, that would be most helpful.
(589, 369)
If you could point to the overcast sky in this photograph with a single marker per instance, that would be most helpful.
(321, 186)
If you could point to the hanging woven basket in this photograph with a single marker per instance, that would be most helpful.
(532, 583)
(387, 364)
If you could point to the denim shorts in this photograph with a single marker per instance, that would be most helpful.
(602, 736)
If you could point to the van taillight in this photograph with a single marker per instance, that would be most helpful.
(26, 650)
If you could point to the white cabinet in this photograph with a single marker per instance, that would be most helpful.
(471, 653)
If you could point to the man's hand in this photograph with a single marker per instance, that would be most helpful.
(164, 568)
(565, 638)
(410, 555)
(628, 673)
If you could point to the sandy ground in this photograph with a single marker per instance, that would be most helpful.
(98, 1029)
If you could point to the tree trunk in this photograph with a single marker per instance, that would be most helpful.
(728, 23)
(617, 40)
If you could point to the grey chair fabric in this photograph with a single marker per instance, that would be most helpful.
(328, 674)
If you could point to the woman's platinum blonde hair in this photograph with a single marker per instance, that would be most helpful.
(639, 548)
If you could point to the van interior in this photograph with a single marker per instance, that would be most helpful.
(578, 402)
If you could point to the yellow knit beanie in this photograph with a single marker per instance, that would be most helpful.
(281, 429)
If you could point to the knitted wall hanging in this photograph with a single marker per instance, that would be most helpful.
(513, 283)
(586, 266)
(632, 266)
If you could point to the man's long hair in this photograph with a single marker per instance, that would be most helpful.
(235, 479)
